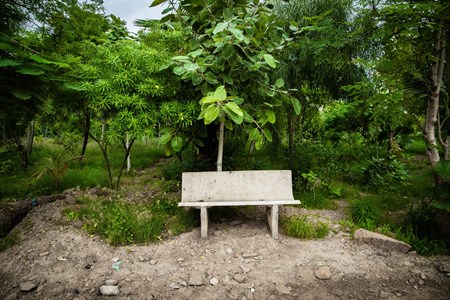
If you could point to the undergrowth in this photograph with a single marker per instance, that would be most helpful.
(122, 223)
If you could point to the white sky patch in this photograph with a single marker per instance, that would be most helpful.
(131, 10)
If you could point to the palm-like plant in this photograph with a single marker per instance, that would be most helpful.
(56, 166)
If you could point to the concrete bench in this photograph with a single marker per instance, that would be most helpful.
(237, 188)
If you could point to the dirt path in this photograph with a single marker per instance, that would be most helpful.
(239, 260)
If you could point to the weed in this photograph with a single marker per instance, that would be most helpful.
(365, 212)
(300, 227)
(318, 200)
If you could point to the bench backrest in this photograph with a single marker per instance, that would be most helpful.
(237, 186)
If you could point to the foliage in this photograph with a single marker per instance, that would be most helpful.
(386, 173)
(365, 212)
(301, 227)
(229, 59)
(122, 223)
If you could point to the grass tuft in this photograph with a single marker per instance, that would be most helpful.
(300, 227)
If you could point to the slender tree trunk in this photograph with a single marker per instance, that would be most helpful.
(124, 162)
(103, 129)
(30, 137)
(437, 69)
(129, 154)
(87, 126)
(220, 149)
(104, 150)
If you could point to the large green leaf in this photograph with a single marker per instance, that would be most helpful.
(23, 95)
(236, 109)
(270, 60)
(237, 33)
(267, 134)
(211, 113)
(220, 93)
(177, 143)
(165, 138)
(220, 27)
(9, 63)
(31, 71)
(157, 2)
(270, 116)
(238, 119)
(296, 105)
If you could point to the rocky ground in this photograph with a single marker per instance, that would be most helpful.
(56, 259)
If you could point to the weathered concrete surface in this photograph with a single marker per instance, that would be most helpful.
(381, 241)
(237, 185)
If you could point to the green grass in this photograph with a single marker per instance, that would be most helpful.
(318, 200)
(300, 227)
(122, 223)
(89, 172)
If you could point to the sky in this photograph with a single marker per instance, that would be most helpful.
(130, 10)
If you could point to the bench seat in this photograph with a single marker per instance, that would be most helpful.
(237, 188)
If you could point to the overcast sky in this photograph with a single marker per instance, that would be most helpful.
(131, 10)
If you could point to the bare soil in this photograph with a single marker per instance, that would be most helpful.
(57, 259)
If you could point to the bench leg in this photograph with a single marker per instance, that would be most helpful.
(272, 218)
(204, 221)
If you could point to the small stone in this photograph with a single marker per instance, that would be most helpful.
(174, 286)
(229, 250)
(239, 278)
(108, 290)
(383, 295)
(115, 259)
(411, 280)
(111, 282)
(183, 283)
(252, 290)
(44, 254)
(141, 259)
(415, 287)
(197, 278)
(28, 286)
(248, 255)
(421, 282)
(180, 259)
(214, 281)
(245, 269)
(153, 262)
(398, 294)
(128, 279)
(282, 289)
(423, 276)
(323, 273)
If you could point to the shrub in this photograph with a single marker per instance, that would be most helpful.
(385, 173)
(300, 227)
(365, 212)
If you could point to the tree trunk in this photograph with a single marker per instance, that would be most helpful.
(129, 155)
(30, 137)
(22, 150)
(436, 72)
(87, 126)
(220, 148)
(125, 158)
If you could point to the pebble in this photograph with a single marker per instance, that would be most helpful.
(245, 269)
(421, 282)
(423, 276)
(214, 281)
(282, 289)
(229, 250)
(415, 287)
(398, 294)
(174, 286)
(44, 253)
(383, 295)
(153, 262)
(115, 259)
(239, 278)
(248, 255)
(108, 290)
(323, 273)
(28, 286)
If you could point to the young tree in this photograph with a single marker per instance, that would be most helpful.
(228, 60)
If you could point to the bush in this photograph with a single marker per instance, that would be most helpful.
(300, 227)
(385, 173)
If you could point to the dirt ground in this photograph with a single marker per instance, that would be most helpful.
(239, 260)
